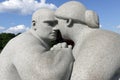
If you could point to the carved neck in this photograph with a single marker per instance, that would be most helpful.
(79, 37)
(79, 32)
(44, 43)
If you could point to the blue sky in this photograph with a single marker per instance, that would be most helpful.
(15, 15)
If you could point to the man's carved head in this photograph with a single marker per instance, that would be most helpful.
(42, 15)
(43, 21)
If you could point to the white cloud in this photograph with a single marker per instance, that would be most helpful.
(100, 25)
(118, 27)
(16, 29)
(2, 28)
(24, 7)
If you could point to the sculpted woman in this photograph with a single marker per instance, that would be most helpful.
(96, 51)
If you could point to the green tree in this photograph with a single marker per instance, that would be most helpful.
(0, 42)
(4, 38)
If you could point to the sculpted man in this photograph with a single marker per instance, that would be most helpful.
(27, 56)
(96, 51)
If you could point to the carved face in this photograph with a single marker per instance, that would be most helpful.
(46, 31)
(44, 25)
(62, 26)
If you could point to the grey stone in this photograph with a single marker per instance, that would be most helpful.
(96, 51)
(29, 57)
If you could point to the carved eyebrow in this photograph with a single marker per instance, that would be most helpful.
(55, 21)
(51, 23)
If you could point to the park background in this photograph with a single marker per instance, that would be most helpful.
(15, 15)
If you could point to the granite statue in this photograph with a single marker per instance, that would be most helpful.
(29, 56)
(96, 51)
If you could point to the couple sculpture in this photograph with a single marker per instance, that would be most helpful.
(94, 56)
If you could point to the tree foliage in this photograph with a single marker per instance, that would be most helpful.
(4, 38)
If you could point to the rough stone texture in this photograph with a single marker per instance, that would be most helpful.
(96, 51)
(27, 56)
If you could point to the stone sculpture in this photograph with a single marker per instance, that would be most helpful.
(28, 56)
(96, 51)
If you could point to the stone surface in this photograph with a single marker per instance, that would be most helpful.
(96, 51)
(28, 56)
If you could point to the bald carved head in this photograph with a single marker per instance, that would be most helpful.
(43, 14)
(43, 21)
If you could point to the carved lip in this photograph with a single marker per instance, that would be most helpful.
(53, 33)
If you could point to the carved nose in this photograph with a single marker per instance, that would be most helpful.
(56, 28)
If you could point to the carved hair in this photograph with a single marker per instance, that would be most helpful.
(91, 19)
(77, 11)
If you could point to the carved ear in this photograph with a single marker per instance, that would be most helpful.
(69, 22)
(33, 25)
(91, 19)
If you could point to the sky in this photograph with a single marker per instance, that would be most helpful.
(15, 15)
